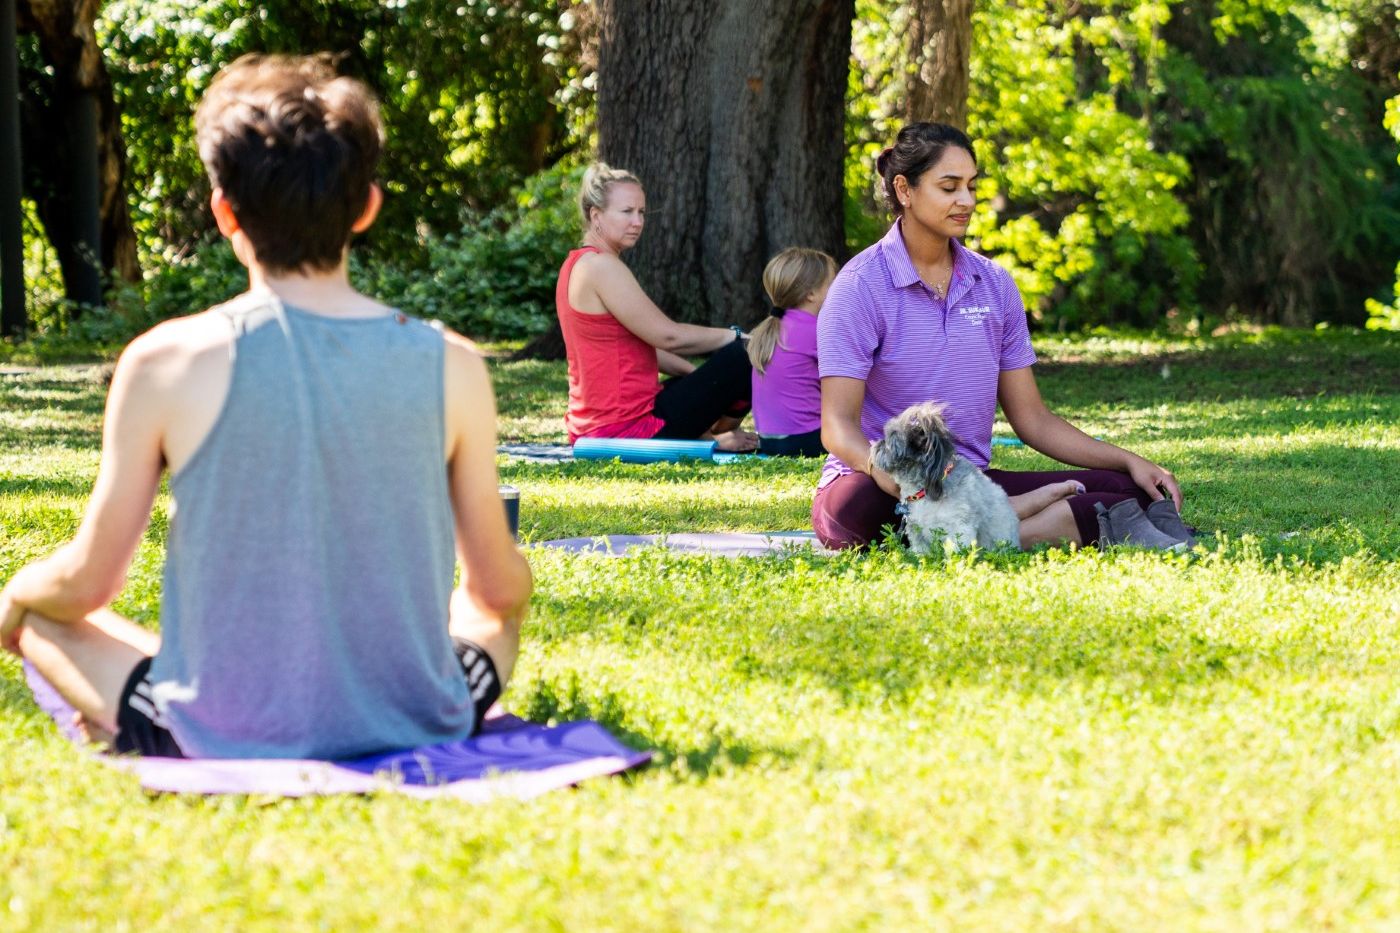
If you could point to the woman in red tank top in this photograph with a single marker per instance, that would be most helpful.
(619, 342)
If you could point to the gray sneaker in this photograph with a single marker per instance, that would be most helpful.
(1164, 516)
(1126, 523)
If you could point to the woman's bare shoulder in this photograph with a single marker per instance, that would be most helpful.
(594, 266)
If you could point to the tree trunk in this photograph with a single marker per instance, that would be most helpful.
(75, 161)
(940, 49)
(547, 346)
(732, 114)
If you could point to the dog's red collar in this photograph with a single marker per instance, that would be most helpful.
(921, 494)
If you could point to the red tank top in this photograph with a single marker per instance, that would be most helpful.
(613, 376)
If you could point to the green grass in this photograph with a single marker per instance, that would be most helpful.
(1056, 740)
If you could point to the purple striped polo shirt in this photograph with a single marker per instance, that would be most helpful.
(882, 324)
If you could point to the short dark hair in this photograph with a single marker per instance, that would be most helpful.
(916, 149)
(294, 148)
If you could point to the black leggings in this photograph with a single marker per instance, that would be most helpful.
(721, 387)
(794, 445)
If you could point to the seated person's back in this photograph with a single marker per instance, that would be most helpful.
(787, 395)
(325, 452)
(314, 512)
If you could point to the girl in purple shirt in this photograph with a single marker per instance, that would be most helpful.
(919, 317)
(787, 396)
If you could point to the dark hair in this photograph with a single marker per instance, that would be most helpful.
(294, 148)
(916, 149)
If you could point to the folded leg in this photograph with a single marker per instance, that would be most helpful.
(88, 662)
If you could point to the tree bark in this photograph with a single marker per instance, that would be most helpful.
(732, 114)
(76, 125)
(940, 50)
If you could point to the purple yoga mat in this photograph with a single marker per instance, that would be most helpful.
(508, 758)
(724, 544)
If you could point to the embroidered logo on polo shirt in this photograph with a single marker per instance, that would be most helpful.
(974, 314)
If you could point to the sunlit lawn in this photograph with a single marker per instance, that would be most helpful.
(1052, 740)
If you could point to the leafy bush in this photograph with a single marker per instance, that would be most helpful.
(1141, 157)
(1083, 208)
(1294, 203)
(1383, 316)
(495, 278)
(468, 88)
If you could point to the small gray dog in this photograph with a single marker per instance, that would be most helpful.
(944, 496)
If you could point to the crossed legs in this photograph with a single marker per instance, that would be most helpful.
(88, 662)
(851, 510)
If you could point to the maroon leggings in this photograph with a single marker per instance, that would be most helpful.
(851, 510)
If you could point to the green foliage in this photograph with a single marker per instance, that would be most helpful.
(1383, 316)
(1084, 209)
(1144, 160)
(1295, 201)
(495, 278)
(1076, 200)
(1155, 159)
(468, 91)
(1075, 740)
(491, 279)
(873, 90)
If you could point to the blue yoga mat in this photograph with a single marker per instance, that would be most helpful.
(656, 450)
(648, 450)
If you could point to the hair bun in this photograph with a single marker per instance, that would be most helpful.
(883, 159)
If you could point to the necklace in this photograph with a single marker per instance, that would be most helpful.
(940, 285)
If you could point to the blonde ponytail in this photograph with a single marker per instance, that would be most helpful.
(763, 340)
(788, 279)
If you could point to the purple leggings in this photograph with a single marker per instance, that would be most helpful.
(851, 510)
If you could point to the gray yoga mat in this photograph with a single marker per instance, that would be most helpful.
(722, 543)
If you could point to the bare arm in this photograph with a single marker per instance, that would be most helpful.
(85, 574)
(490, 604)
(673, 365)
(842, 398)
(617, 293)
(1055, 437)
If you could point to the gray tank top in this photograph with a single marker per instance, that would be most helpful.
(310, 556)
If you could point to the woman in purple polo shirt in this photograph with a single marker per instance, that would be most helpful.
(920, 317)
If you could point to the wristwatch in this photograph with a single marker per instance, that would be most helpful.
(738, 332)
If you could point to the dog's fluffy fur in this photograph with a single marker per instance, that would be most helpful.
(959, 505)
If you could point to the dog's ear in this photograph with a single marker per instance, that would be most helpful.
(938, 463)
(889, 449)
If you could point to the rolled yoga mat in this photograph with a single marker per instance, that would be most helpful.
(642, 450)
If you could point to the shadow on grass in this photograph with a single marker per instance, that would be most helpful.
(84, 395)
(1330, 500)
(869, 662)
(539, 701)
(78, 406)
(1269, 370)
(44, 486)
(544, 700)
(74, 438)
